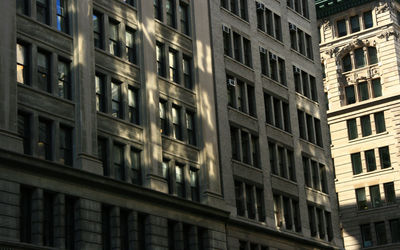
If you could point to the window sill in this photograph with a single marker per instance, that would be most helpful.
(274, 81)
(238, 62)
(270, 36)
(107, 53)
(368, 137)
(180, 142)
(316, 191)
(298, 14)
(242, 113)
(374, 209)
(119, 120)
(313, 144)
(51, 95)
(234, 15)
(284, 179)
(279, 129)
(364, 68)
(303, 56)
(307, 98)
(170, 28)
(378, 171)
(178, 85)
(246, 165)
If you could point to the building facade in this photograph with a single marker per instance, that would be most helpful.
(359, 53)
(116, 126)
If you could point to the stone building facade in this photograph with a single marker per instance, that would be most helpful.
(359, 53)
(115, 130)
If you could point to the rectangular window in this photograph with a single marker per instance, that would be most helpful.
(361, 199)
(273, 66)
(235, 143)
(227, 41)
(70, 222)
(282, 162)
(365, 125)
(323, 178)
(291, 165)
(278, 27)
(366, 235)
(164, 172)
(24, 126)
(310, 128)
(277, 113)
(355, 24)
(98, 30)
(346, 63)
(359, 58)
(260, 16)
(190, 128)
(305, 84)
(309, 47)
(356, 163)
(136, 169)
(379, 122)
(102, 146)
(304, 4)
(62, 15)
(250, 205)
(363, 91)
(25, 212)
(264, 61)
(239, 198)
(390, 194)
(260, 204)
(234, 6)
(278, 210)
(300, 37)
(48, 221)
(313, 88)
(187, 72)
(384, 157)
(368, 23)
(130, 2)
(64, 79)
(350, 96)
(160, 59)
(45, 140)
(269, 22)
(237, 46)
(377, 87)
(255, 151)
(321, 226)
(306, 169)
(328, 223)
(163, 117)
(287, 213)
(375, 194)
(286, 117)
(180, 181)
(114, 37)
(171, 15)
(173, 65)
(370, 160)
(318, 132)
(100, 93)
(247, 52)
(133, 105)
(118, 161)
(22, 64)
(380, 231)
(395, 230)
(65, 145)
(116, 102)
(194, 184)
(42, 11)
(185, 21)
(273, 161)
(130, 45)
(22, 7)
(124, 229)
(352, 129)
(106, 227)
(158, 10)
(245, 147)
(302, 124)
(43, 71)
(282, 71)
(176, 121)
(296, 215)
(312, 221)
(315, 175)
(243, 9)
(341, 26)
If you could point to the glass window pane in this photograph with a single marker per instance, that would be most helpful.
(384, 157)
(370, 160)
(379, 122)
(380, 231)
(341, 25)
(375, 196)
(352, 129)
(373, 58)
(359, 58)
(366, 125)
(395, 230)
(376, 87)
(366, 235)
(355, 24)
(368, 23)
(361, 199)
(390, 194)
(363, 91)
(356, 163)
(346, 63)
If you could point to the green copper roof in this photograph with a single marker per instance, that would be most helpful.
(329, 7)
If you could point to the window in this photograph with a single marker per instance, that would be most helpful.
(98, 30)
(158, 10)
(176, 121)
(130, 2)
(352, 129)
(100, 93)
(247, 52)
(366, 235)
(281, 161)
(368, 23)
(301, 42)
(315, 175)
(273, 160)
(355, 24)
(133, 105)
(376, 87)
(43, 71)
(114, 37)
(379, 122)
(278, 27)
(106, 226)
(116, 104)
(64, 79)
(130, 47)
(124, 229)
(235, 144)
(260, 204)
(390, 194)
(251, 201)
(136, 169)
(70, 222)
(363, 91)
(260, 8)
(62, 15)
(384, 157)
(305, 84)
(346, 63)
(190, 128)
(241, 95)
(160, 59)
(22, 7)
(356, 163)
(370, 160)
(187, 72)
(24, 127)
(118, 161)
(360, 59)
(375, 196)
(241, 47)
(171, 14)
(102, 154)
(179, 179)
(277, 112)
(185, 21)
(312, 221)
(65, 145)
(321, 226)
(48, 219)
(42, 11)
(365, 125)
(194, 184)
(240, 210)
(164, 171)
(264, 61)
(249, 153)
(372, 55)
(311, 126)
(278, 211)
(300, 7)
(287, 213)
(245, 147)
(45, 140)
(395, 230)
(328, 222)
(237, 7)
(361, 199)
(173, 65)
(226, 34)
(291, 165)
(22, 64)
(163, 117)
(25, 211)
(237, 46)
(296, 215)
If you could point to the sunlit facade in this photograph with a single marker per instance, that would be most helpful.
(359, 54)
(142, 124)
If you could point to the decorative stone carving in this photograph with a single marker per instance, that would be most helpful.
(352, 45)
(387, 33)
(384, 6)
(326, 24)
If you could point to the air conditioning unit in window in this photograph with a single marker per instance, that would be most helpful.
(226, 29)
(231, 82)
(296, 70)
(262, 50)
(260, 6)
(292, 27)
(273, 56)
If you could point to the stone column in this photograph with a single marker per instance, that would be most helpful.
(156, 232)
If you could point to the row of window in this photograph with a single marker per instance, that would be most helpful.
(39, 73)
(237, 7)
(370, 160)
(359, 58)
(375, 196)
(237, 46)
(320, 222)
(300, 6)
(173, 65)
(287, 212)
(249, 201)
(362, 91)
(282, 161)
(245, 245)
(269, 22)
(310, 128)
(354, 23)
(272, 66)
(365, 123)
(173, 14)
(305, 84)
(381, 237)
(300, 41)
(245, 147)
(119, 40)
(315, 174)
(45, 12)
(241, 95)
(172, 122)
(277, 112)
(37, 137)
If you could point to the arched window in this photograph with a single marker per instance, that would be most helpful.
(360, 57)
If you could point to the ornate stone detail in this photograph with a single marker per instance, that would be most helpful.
(326, 23)
(386, 34)
(384, 6)
(331, 52)
(356, 43)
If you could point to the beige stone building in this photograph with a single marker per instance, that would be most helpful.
(164, 124)
(360, 57)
